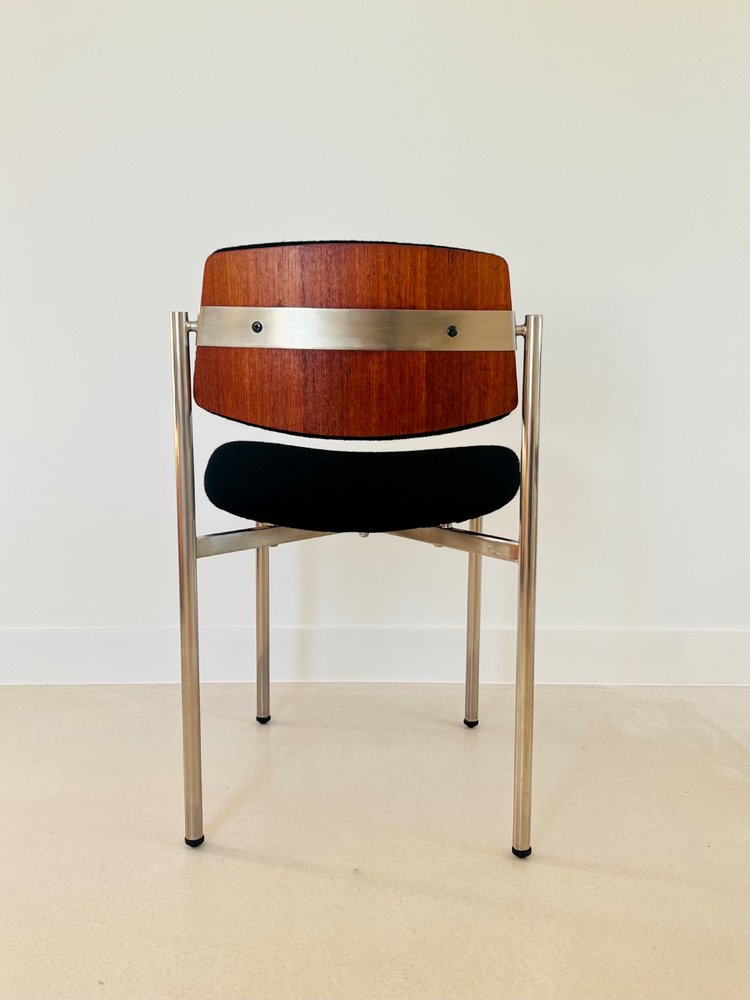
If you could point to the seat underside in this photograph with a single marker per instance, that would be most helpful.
(321, 490)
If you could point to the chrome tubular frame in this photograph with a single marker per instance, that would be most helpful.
(188, 567)
(473, 623)
(474, 541)
(262, 637)
(465, 541)
(250, 538)
(532, 357)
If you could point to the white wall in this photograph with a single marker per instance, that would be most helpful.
(602, 149)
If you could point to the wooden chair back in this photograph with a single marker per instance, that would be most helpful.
(356, 393)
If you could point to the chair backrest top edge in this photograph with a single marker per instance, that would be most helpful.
(375, 243)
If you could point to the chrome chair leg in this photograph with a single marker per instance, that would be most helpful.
(262, 637)
(188, 569)
(473, 623)
(527, 589)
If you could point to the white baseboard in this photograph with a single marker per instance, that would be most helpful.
(564, 656)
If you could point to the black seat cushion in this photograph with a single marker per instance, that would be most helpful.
(359, 491)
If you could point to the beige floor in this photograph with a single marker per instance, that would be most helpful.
(358, 846)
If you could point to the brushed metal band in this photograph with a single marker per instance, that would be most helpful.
(294, 328)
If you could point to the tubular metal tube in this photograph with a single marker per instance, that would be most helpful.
(527, 588)
(473, 623)
(262, 635)
(188, 568)
(251, 538)
(464, 541)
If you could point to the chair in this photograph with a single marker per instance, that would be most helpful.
(370, 341)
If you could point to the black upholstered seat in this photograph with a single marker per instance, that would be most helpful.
(359, 491)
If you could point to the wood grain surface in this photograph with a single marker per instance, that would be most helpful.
(356, 394)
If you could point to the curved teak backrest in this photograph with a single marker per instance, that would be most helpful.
(356, 393)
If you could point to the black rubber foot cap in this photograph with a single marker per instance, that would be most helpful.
(194, 843)
(262, 719)
(521, 854)
(471, 724)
